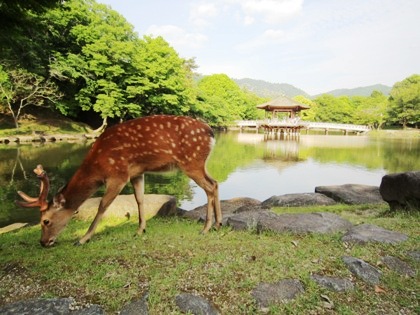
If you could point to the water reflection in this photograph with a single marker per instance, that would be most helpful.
(245, 164)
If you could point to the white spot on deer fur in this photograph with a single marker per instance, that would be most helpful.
(111, 161)
(195, 139)
(168, 124)
(161, 126)
(192, 132)
(147, 128)
(173, 144)
(198, 148)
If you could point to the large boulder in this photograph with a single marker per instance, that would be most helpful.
(302, 223)
(401, 190)
(365, 233)
(126, 206)
(298, 200)
(297, 223)
(229, 207)
(351, 194)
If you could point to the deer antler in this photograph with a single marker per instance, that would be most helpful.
(41, 201)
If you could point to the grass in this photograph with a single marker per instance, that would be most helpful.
(41, 121)
(223, 266)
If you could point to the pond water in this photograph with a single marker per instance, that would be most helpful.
(245, 164)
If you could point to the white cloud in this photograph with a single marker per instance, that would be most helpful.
(201, 13)
(271, 11)
(177, 36)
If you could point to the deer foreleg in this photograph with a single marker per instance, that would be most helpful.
(138, 185)
(112, 191)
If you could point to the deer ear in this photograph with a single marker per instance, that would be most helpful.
(59, 200)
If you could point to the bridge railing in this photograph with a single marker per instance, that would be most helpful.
(306, 124)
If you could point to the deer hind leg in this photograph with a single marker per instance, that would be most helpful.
(113, 188)
(211, 188)
(138, 185)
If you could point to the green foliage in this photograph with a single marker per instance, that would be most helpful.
(222, 101)
(20, 88)
(404, 102)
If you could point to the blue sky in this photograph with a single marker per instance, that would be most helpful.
(315, 45)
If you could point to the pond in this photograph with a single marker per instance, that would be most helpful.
(246, 164)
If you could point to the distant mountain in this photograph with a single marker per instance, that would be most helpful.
(267, 89)
(360, 91)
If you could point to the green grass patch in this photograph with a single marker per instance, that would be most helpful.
(223, 266)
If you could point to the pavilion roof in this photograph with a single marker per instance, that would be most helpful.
(283, 103)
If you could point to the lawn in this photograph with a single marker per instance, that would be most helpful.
(223, 266)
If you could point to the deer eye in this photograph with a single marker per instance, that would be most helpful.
(46, 222)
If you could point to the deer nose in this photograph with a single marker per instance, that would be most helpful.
(48, 243)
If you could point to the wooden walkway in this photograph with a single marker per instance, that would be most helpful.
(295, 125)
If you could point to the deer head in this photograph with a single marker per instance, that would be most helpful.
(54, 217)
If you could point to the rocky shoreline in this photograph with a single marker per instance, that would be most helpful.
(248, 213)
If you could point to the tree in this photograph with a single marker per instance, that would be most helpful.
(371, 110)
(222, 101)
(334, 109)
(23, 36)
(163, 82)
(404, 102)
(308, 114)
(20, 88)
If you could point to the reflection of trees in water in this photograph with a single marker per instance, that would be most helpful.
(18, 162)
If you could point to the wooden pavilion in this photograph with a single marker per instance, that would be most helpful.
(275, 121)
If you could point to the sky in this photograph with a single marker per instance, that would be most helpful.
(315, 45)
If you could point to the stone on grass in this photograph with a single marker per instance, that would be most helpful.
(12, 227)
(332, 283)
(352, 194)
(364, 233)
(298, 200)
(363, 270)
(274, 293)
(193, 304)
(55, 306)
(401, 190)
(126, 205)
(398, 266)
(137, 307)
(228, 208)
(300, 223)
(415, 255)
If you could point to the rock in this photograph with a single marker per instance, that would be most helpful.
(363, 270)
(59, 306)
(415, 255)
(333, 284)
(299, 223)
(12, 227)
(398, 266)
(228, 208)
(401, 190)
(247, 220)
(126, 204)
(371, 233)
(274, 293)
(298, 200)
(138, 307)
(193, 304)
(352, 194)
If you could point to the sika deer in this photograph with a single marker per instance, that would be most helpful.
(124, 153)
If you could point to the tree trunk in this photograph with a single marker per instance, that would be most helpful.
(102, 127)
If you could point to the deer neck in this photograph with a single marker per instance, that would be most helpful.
(80, 187)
